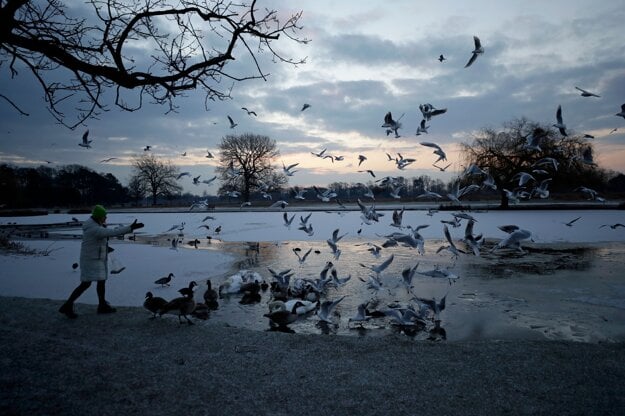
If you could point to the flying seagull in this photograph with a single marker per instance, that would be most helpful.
(438, 151)
(570, 223)
(441, 58)
(622, 113)
(391, 125)
(86, 143)
(429, 111)
(560, 124)
(422, 128)
(305, 106)
(477, 51)
(249, 112)
(232, 123)
(586, 93)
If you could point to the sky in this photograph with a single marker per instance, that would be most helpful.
(363, 60)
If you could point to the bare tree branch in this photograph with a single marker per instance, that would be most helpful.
(153, 48)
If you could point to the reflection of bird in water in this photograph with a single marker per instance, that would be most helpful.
(164, 281)
(153, 304)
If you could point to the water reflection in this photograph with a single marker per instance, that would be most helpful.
(467, 297)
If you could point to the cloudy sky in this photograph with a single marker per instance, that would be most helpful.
(366, 58)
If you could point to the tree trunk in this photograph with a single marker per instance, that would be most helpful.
(504, 204)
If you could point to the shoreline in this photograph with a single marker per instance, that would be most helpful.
(125, 363)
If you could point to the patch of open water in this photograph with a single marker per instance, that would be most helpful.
(556, 291)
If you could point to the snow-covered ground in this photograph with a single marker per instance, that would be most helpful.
(562, 302)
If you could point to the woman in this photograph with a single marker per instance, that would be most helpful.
(94, 259)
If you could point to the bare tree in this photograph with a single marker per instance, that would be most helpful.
(505, 153)
(246, 165)
(157, 176)
(154, 49)
(136, 189)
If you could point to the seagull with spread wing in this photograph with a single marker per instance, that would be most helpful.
(86, 143)
(391, 125)
(437, 151)
(585, 93)
(478, 50)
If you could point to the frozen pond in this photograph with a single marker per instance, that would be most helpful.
(566, 286)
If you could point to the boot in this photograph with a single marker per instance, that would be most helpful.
(68, 310)
(106, 308)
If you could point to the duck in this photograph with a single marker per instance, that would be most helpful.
(164, 281)
(188, 291)
(211, 296)
(153, 304)
(279, 315)
(251, 293)
(182, 306)
(201, 311)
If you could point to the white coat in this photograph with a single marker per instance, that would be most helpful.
(93, 250)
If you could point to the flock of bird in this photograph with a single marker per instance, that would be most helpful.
(292, 297)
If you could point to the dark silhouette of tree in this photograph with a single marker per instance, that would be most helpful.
(505, 153)
(138, 49)
(136, 189)
(245, 165)
(66, 186)
(157, 176)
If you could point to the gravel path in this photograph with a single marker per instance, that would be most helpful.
(125, 364)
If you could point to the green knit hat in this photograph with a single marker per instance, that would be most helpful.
(98, 212)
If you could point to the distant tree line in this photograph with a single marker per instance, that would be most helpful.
(66, 186)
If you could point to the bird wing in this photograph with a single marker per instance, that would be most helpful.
(477, 42)
(471, 60)
(430, 144)
(231, 121)
(559, 114)
(385, 263)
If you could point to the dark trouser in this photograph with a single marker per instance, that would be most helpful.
(100, 289)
